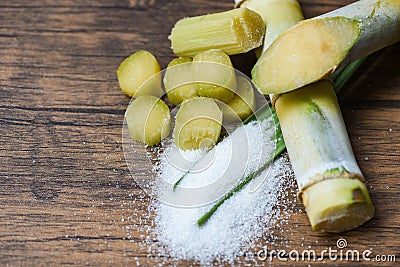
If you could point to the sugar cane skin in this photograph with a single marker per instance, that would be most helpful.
(330, 182)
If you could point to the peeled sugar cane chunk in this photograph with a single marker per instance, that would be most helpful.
(139, 74)
(148, 120)
(235, 31)
(243, 104)
(198, 124)
(178, 81)
(214, 75)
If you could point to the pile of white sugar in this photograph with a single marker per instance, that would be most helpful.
(242, 222)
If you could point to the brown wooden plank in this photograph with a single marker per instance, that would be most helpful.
(66, 195)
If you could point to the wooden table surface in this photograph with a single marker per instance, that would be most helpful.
(66, 195)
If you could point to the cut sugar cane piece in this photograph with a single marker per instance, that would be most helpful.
(214, 75)
(278, 15)
(305, 53)
(235, 31)
(178, 81)
(290, 61)
(198, 124)
(312, 125)
(338, 204)
(148, 119)
(138, 75)
(243, 104)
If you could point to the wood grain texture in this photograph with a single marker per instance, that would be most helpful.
(66, 195)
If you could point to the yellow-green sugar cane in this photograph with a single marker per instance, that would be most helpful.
(317, 141)
(234, 32)
(330, 182)
(316, 47)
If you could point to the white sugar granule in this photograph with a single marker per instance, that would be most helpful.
(242, 220)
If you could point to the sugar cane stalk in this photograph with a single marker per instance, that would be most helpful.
(316, 47)
(330, 182)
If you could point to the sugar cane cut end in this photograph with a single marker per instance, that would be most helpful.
(138, 75)
(234, 32)
(337, 205)
(198, 124)
(148, 120)
(305, 53)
